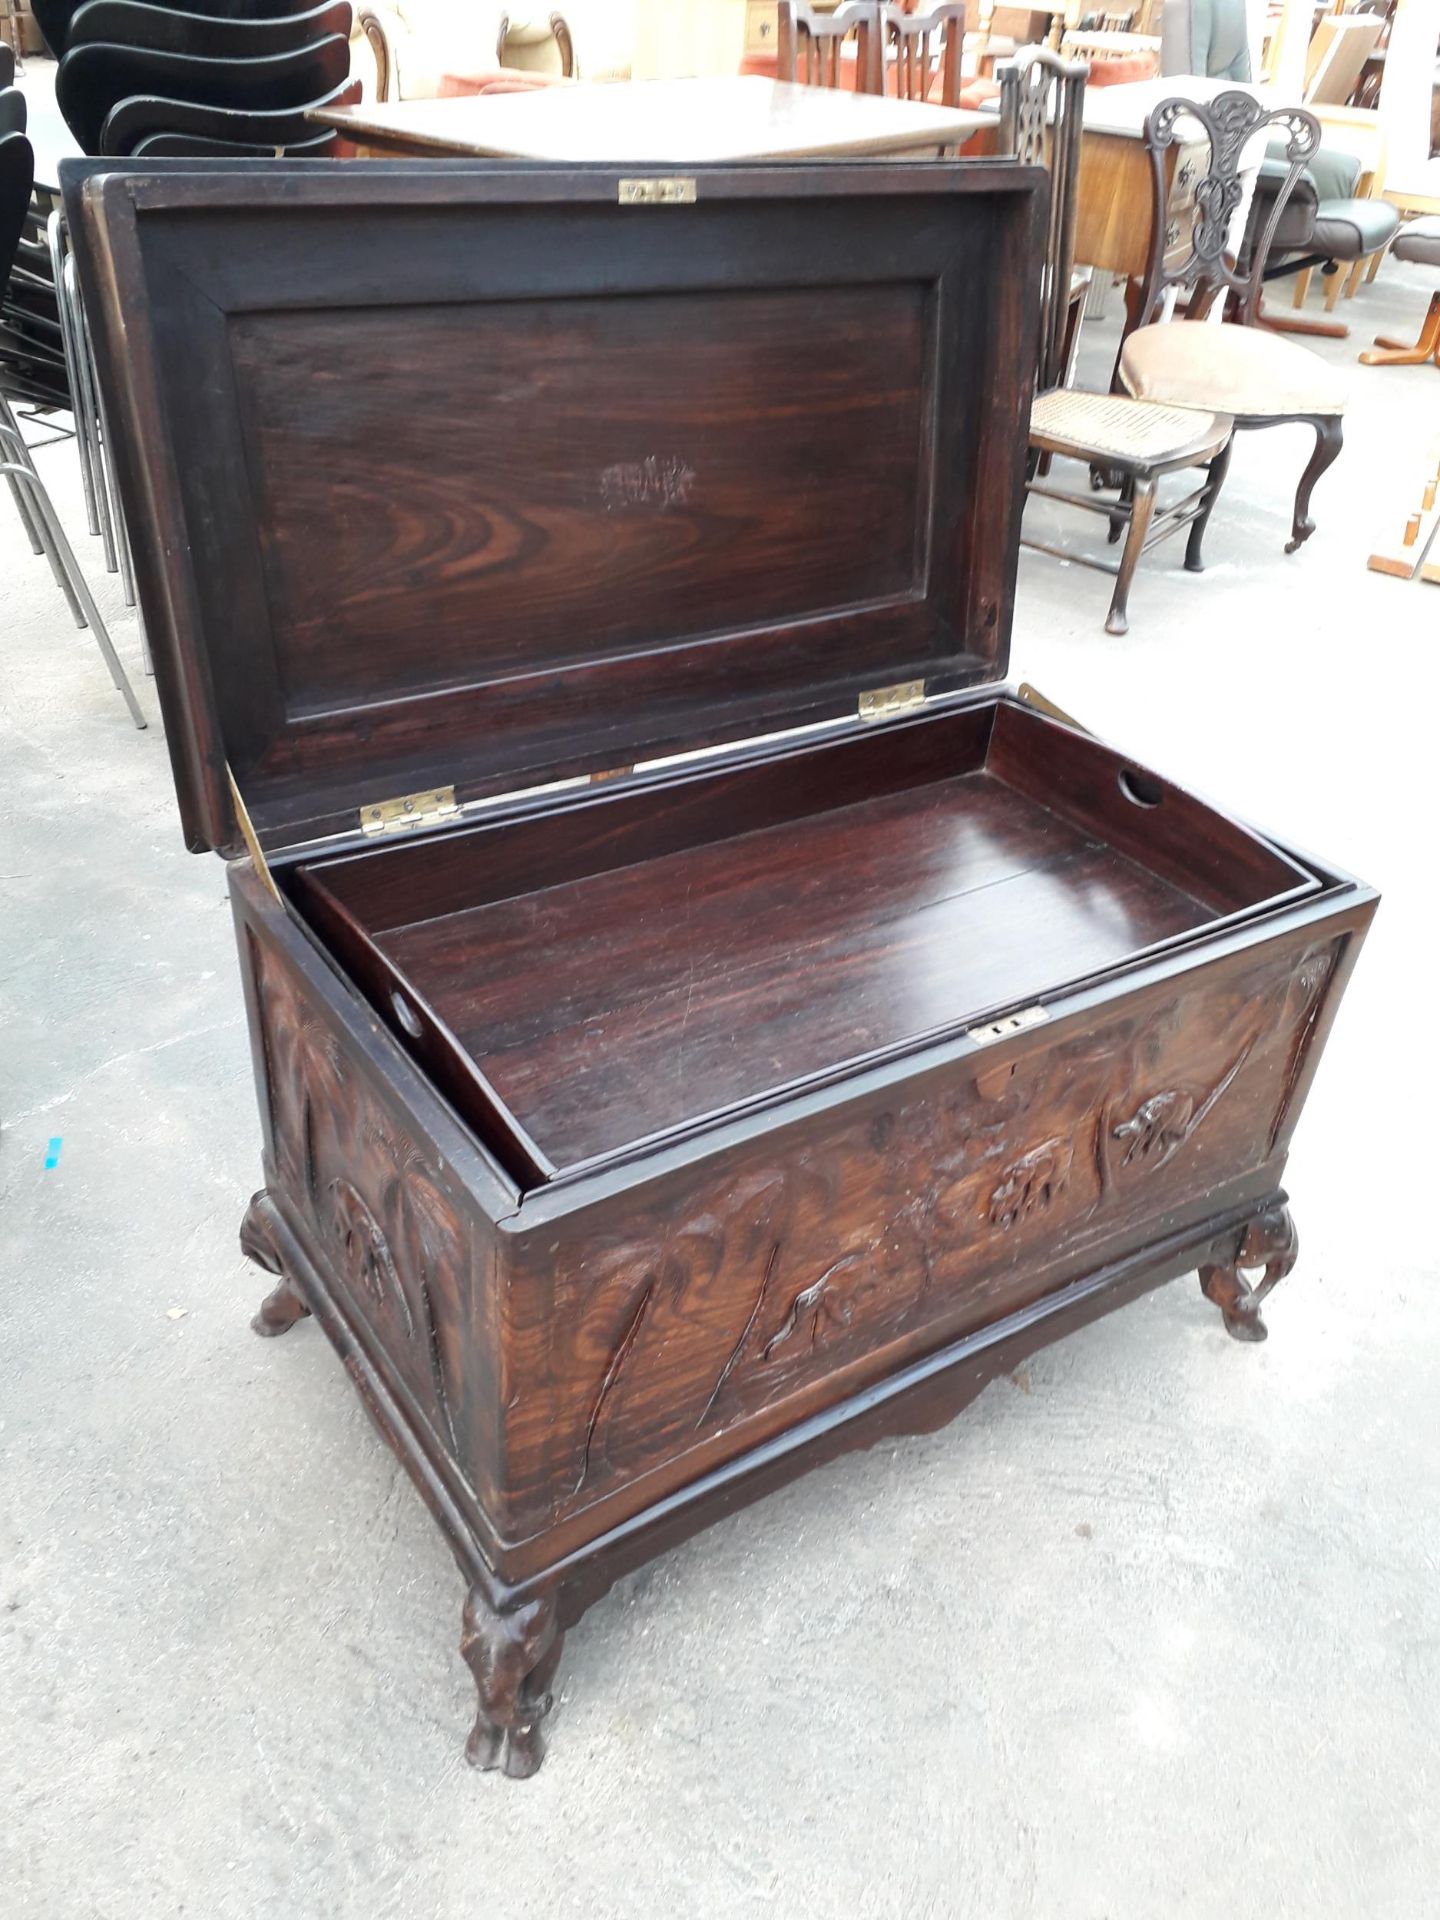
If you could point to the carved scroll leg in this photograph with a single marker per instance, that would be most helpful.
(1269, 1242)
(513, 1656)
(1329, 437)
(281, 1309)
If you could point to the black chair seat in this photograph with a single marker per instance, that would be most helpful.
(93, 79)
(12, 108)
(7, 64)
(162, 29)
(144, 115)
(175, 146)
(1350, 229)
(53, 17)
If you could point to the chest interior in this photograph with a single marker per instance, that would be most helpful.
(625, 966)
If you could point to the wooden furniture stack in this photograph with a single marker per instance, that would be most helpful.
(640, 1144)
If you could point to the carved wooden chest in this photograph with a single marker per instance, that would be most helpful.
(646, 1136)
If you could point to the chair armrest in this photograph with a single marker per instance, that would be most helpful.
(386, 33)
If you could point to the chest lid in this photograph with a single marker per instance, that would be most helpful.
(451, 476)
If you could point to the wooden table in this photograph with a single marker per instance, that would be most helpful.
(684, 122)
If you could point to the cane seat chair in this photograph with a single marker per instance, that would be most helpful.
(1129, 444)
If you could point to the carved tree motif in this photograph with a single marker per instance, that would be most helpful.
(394, 1242)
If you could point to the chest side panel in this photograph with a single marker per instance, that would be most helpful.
(406, 1255)
(668, 1323)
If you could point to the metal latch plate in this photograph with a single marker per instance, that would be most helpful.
(994, 1030)
(669, 190)
(408, 811)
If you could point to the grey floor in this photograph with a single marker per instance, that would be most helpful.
(1153, 1629)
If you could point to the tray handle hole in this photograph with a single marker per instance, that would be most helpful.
(1140, 788)
(406, 1015)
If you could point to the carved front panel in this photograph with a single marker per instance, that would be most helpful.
(636, 1333)
(394, 1244)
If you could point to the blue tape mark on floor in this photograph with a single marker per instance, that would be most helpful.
(52, 1153)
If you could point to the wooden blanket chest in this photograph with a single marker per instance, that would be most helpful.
(644, 1129)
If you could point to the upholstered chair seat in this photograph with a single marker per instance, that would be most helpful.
(1243, 371)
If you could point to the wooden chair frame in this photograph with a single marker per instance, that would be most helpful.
(809, 45)
(1209, 270)
(1129, 445)
(907, 51)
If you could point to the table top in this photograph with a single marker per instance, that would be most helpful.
(683, 122)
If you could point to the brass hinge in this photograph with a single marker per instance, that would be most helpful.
(880, 703)
(408, 811)
(669, 190)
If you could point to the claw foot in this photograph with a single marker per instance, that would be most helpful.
(513, 1656)
(280, 1309)
(1269, 1242)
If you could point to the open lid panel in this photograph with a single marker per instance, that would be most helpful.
(443, 474)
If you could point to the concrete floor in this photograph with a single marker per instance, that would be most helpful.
(1153, 1628)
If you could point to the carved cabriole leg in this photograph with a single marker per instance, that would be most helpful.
(281, 1309)
(1270, 1241)
(513, 1655)
(1329, 436)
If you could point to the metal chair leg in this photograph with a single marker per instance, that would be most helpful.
(71, 577)
(120, 548)
(55, 234)
(117, 512)
(37, 545)
(88, 392)
(24, 480)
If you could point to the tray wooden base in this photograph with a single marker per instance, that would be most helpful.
(512, 1637)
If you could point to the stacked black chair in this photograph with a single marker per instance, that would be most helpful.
(215, 76)
(32, 352)
(27, 360)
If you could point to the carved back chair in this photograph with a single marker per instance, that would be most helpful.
(917, 44)
(95, 78)
(1128, 445)
(164, 29)
(27, 490)
(1244, 369)
(810, 47)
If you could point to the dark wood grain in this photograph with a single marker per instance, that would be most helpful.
(631, 520)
